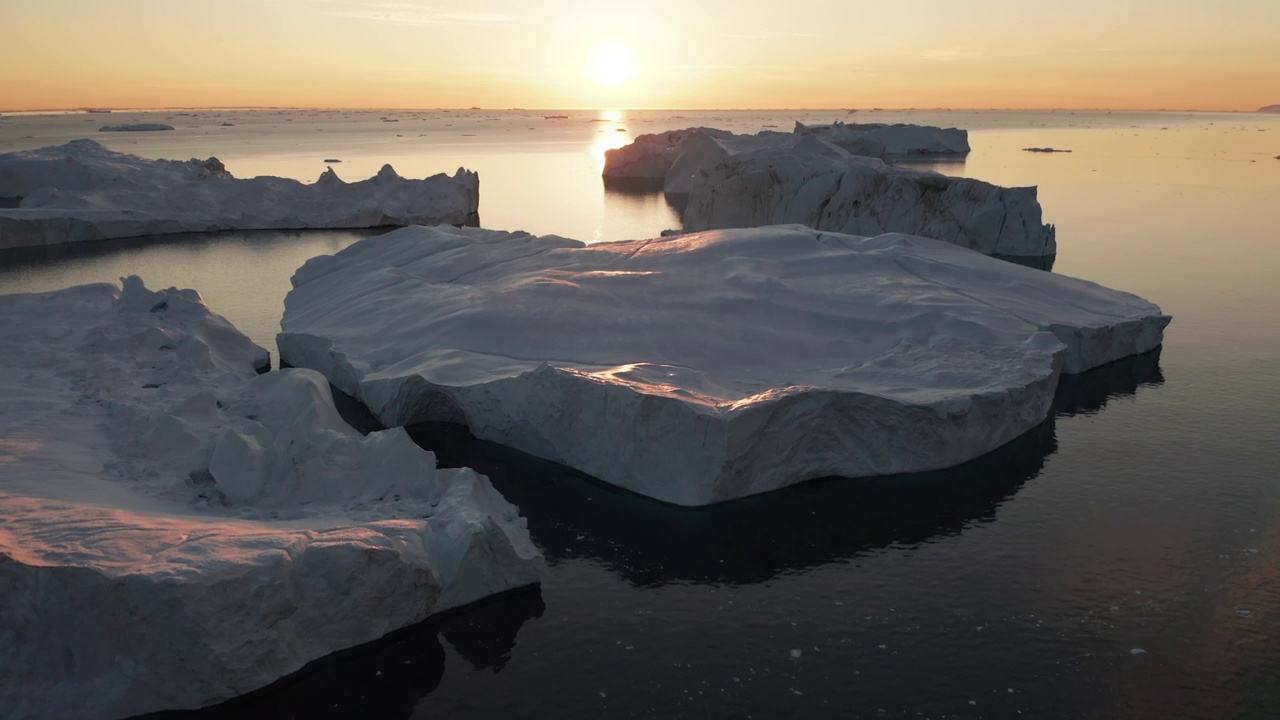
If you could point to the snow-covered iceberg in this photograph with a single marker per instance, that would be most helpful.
(819, 185)
(83, 191)
(706, 367)
(176, 530)
(895, 140)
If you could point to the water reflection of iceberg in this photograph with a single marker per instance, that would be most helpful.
(756, 538)
(388, 677)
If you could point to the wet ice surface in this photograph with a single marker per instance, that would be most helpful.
(1145, 523)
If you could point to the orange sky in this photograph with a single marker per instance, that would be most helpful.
(1175, 54)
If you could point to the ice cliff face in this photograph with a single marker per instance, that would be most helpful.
(82, 191)
(706, 367)
(177, 530)
(827, 189)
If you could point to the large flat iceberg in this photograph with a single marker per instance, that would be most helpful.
(819, 185)
(83, 191)
(177, 530)
(706, 367)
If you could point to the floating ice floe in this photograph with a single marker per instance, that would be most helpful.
(894, 140)
(705, 367)
(819, 185)
(177, 530)
(83, 191)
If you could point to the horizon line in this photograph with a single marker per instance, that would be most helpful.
(89, 109)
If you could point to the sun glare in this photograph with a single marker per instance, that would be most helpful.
(612, 66)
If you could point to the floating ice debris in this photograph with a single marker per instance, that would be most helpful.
(796, 653)
(179, 530)
(1244, 613)
(1138, 651)
(83, 191)
(705, 367)
(136, 127)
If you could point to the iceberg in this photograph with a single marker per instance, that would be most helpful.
(176, 529)
(705, 367)
(83, 191)
(819, 185)
(894, 140)
(726, 180)
(678, 158)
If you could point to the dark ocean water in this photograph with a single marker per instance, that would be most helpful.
(1122, 560)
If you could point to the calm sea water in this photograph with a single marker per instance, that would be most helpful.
(1122, 560)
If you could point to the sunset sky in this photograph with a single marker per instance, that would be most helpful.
(1183, 54)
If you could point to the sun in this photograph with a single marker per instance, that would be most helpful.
(612, 66)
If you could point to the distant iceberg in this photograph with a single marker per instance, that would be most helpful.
(819, 185)
(678, 158)
(725, 180)
(178, 530)
(894, 140)
(135, 127)
(83, 191)
(702, 368)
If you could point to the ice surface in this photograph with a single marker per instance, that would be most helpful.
(705, 367)
(826, 188)
(897, 139)
(83, 191)
(176, 529)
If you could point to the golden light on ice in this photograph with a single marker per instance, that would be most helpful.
(612, 66)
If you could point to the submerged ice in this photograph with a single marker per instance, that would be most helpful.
(705, 367)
